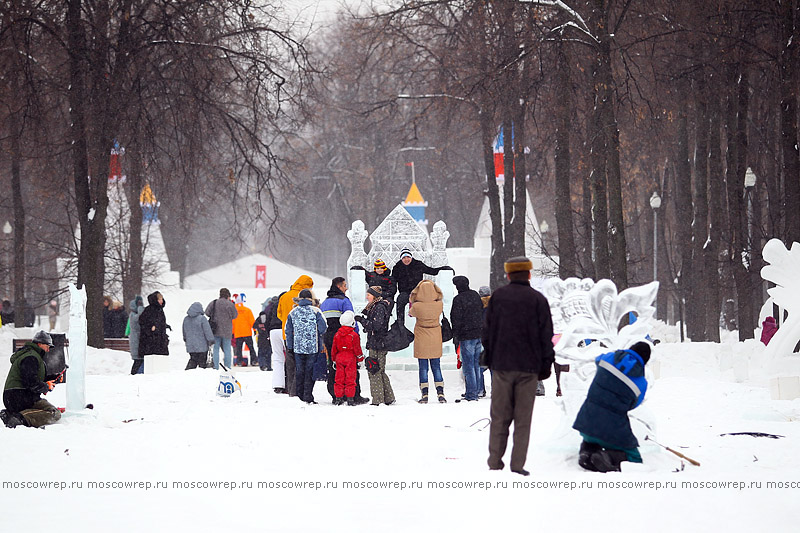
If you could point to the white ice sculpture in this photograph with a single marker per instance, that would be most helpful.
(583, 309)
(397, 231)
(783, 270)
(76, 381)
(439, 238)
(357, 235)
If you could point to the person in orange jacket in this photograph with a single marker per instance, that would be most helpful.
(243, 333)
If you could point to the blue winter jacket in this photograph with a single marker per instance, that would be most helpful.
(304, 329)
(618, 387)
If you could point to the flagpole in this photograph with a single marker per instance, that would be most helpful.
(413, 176)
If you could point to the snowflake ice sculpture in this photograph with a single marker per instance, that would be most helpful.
(583, 310)
(782, 270)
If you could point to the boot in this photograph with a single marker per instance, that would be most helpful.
(585, 455)
(608, 460)
(440, 392)
(360, 400)
(351, 401)
(12, 420)
(424, 390)
(338, 401)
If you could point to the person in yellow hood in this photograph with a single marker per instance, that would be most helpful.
(285, 305)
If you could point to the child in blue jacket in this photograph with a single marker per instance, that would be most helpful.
(618, 387)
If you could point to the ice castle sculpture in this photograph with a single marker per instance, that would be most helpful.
(397, 231)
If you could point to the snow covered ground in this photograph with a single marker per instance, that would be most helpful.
(288, 465)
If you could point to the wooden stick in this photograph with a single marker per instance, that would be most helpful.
(679, 454)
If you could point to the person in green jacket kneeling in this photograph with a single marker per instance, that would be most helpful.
(25, 382)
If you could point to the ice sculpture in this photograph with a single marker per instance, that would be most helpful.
(357, 235)
(76, 383)
(782, 270)
(585, 311)
(439, 240)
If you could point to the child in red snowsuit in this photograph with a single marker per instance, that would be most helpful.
(346, 354)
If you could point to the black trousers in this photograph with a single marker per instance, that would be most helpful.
(197, 359)
(240, 342)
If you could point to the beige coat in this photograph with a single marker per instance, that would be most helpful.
(426, 307)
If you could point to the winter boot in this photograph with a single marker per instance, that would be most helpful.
(424, 389)
(608, 460)
(585, 455)
(440, 391)
(351, 401)
(338, 401)
(12, 420)
(360, 400)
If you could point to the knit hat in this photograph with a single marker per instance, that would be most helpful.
(405, 252)
(517, 264)
(379, 264)
(643, 349)
(461, 282)
(376, 291)
(305, 293)
(484, 291)
(347, 319)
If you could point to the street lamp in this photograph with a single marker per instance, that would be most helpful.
(655, 203)
(749, 185)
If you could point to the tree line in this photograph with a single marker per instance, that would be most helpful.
(199, 92)
(603, 103)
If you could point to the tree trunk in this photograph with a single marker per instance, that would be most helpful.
(496, 272)
(132, 274)
(716, 206)
(788, 84)
(697, 297)
(19, 222)
(567, 257)
(683, 198)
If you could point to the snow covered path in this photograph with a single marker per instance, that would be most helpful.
(170, 429)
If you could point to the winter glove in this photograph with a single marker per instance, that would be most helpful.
(545, 373)
(360, 319)
(447, 267)
(40, 388)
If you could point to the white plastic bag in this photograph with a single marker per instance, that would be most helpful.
(227, 384)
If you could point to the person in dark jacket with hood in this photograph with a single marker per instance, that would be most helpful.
(197, 336)
(375, 319)
(137, 307)
(153, 338)
(618, 387)
(466, 317)
(407, 273)
(332, 308)
(262, 327)
(27, 379)
(517, 337)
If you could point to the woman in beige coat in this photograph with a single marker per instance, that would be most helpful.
(426, 307)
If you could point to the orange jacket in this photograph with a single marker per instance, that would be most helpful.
(243, 323)
(286, 303)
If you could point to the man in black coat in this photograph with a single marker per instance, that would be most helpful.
(518, 340)
(466, 316)
(407, 274)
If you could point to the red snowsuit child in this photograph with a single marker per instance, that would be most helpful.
(346, 353)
